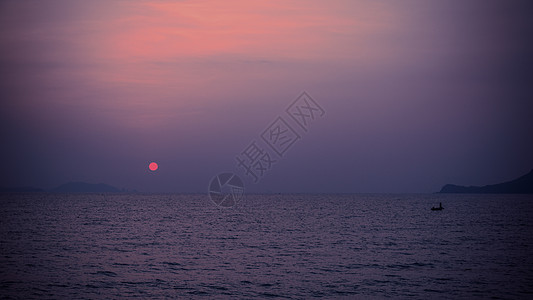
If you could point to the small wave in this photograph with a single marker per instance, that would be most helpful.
(106, 273)
(171, 263)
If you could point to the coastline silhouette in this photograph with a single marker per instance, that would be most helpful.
(521, 185)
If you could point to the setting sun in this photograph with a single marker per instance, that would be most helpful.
(153, 166)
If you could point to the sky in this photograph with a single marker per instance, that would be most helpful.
(415, 94)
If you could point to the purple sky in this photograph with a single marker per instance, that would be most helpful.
(417, 93)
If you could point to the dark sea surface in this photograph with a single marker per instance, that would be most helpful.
(55, 246)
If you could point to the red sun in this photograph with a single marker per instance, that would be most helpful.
(153, 166)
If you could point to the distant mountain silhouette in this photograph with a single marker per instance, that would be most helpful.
(83, 187)
(522, 185)
(23, 189)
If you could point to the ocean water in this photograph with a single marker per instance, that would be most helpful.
(297, 246)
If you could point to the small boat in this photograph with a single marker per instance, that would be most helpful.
(438, 208)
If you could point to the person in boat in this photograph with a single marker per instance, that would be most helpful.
(438, 208)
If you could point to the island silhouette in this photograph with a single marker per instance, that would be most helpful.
(70, 187)
(521, 185)
(84, 187)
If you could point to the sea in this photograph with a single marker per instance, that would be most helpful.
(287, 246)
